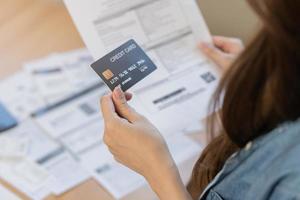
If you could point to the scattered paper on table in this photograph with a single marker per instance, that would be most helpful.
(12, 147)
(26, 176)
(67, 173)
(20, 96)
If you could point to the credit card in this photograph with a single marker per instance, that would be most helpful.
(124, 66)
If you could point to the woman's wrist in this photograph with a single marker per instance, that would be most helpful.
(166, 182)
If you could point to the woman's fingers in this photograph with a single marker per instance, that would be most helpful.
(108, 109)
(214, 54)
(223, 51)
(221, 42)
(228, 45)
(108, 106)
(122, 107)
(128, 96)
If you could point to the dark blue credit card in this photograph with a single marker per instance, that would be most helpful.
(124, 66)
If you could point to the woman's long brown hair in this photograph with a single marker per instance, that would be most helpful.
(259, 92)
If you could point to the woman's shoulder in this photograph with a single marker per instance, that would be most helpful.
(267, 168)
(285, 184)
(280, 175)
(280, 149)
(285, 139)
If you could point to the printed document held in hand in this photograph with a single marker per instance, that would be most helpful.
(176, 95)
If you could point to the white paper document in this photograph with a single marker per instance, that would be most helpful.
(7, 195)
(105, 24)
(73, 114)
(116, 178)
(12, 147)
(28, 177)
(121, 181)
(61, 75)
(44, 165)
(20, 95)
(39, 144)
(66, 172)
(22, 170)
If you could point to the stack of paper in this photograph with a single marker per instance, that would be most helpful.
(36, 164)
(32, 161)
(47, 81)
(61, 75)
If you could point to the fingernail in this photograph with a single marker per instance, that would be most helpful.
(119, 93)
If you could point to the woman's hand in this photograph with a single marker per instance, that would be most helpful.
(131, 138)
(224, 52)
(137, 144)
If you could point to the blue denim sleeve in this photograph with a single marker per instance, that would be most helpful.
(286, 188)
(286, 191)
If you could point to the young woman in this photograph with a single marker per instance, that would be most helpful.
(256, 152)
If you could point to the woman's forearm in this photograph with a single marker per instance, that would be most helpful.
(167, 184)
(136, 143)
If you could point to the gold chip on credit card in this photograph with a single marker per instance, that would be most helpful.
(108, 74)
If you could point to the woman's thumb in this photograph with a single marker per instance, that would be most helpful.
(122, 107)
(213, 53)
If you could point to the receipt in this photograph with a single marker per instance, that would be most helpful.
(11, 147)
(26, 176)
(31, 172)
(48, 76)
(20, 96)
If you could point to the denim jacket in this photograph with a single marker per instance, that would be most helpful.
(267, 168)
